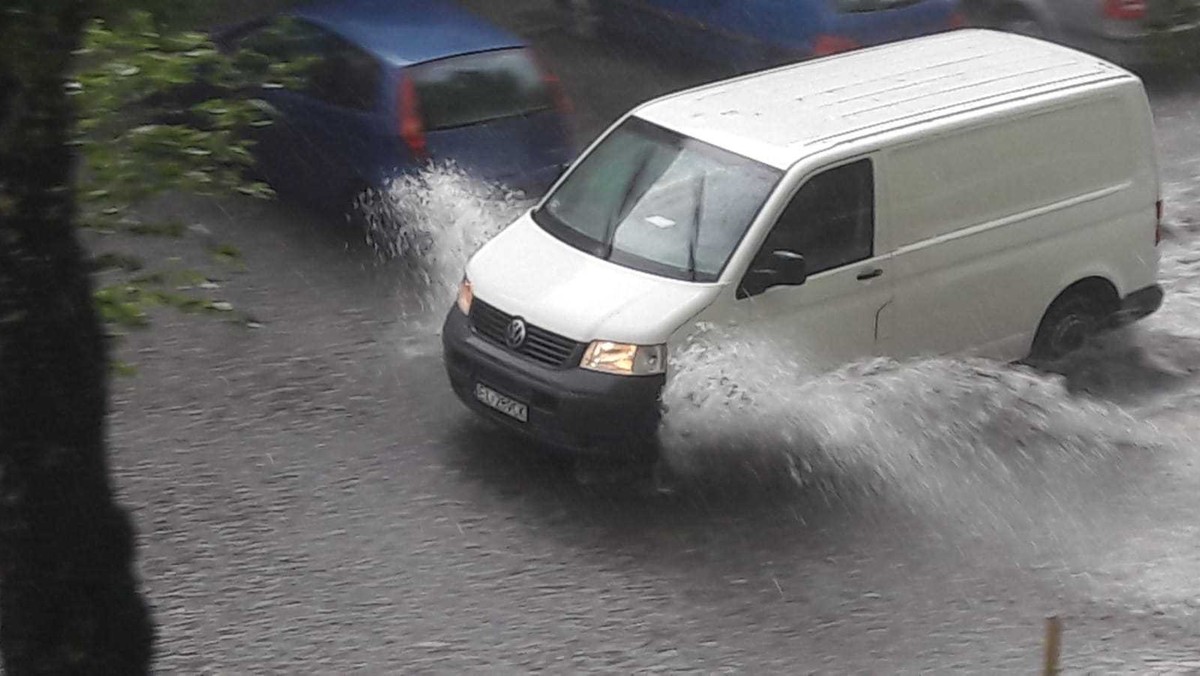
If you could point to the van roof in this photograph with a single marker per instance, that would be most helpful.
(783, 115)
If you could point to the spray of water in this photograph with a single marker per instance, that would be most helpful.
(994, 447)
(1150, 367)
(431, 222)
(934, 431)
(1180, 268)
(1068, 469)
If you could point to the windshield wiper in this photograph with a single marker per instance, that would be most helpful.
(694, 235)
(610, 228)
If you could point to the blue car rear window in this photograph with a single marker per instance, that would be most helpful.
(476, 88)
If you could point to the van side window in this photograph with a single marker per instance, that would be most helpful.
(830, 220)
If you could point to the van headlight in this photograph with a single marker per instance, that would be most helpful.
(625, 359)
(465, 296)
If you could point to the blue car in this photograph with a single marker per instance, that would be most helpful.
(750, 34)
(383, 87)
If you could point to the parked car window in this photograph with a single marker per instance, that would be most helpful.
(345, 76)
(323, 65)
(830, 220)
(283, 40)
(476, 88)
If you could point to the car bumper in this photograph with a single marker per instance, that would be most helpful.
(569, 408)
(1139, 304)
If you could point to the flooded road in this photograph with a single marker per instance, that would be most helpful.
(312, 498)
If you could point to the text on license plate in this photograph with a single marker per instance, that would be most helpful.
(503, 403)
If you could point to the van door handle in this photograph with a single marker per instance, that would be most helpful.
(870, 274)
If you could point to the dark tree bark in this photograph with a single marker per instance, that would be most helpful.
(69, 600)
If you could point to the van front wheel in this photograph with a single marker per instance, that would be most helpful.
(1070, 321)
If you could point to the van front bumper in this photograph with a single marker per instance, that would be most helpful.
(571, 408)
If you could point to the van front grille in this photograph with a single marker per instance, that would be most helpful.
(540, 345)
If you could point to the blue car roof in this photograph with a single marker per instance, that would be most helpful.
(403, 32)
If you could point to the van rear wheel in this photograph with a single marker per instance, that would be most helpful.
(1070, 321)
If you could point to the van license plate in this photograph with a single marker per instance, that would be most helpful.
(503, 403)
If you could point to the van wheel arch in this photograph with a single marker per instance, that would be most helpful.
(1077, 313)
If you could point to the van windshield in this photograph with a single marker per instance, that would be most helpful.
(660, 202)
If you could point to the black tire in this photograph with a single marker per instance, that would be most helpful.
(1071, 320)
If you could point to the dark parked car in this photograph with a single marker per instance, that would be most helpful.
(382, 87)
(748, 34)
(1129, 32)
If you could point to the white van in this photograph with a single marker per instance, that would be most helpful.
(972, 192)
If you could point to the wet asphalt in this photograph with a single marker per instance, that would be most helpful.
(311, 498)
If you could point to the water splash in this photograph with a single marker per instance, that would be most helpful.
(1180, 267)
(1151, 366)
(432, 222)
(935, 432)
(1060, 466)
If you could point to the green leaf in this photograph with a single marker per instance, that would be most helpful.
(122, 369)
(141, 133)
(227, 252)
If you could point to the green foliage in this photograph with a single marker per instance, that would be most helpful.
(161, 111)
(120, 368)
(127, 304)
(227, 253)
(191, 14)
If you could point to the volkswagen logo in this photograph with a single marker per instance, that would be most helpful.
(514, 335)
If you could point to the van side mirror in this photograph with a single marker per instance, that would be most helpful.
(779, 268)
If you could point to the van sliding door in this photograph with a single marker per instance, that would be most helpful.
(831, 317)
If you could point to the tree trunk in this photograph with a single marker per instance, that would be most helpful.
(69, 600)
